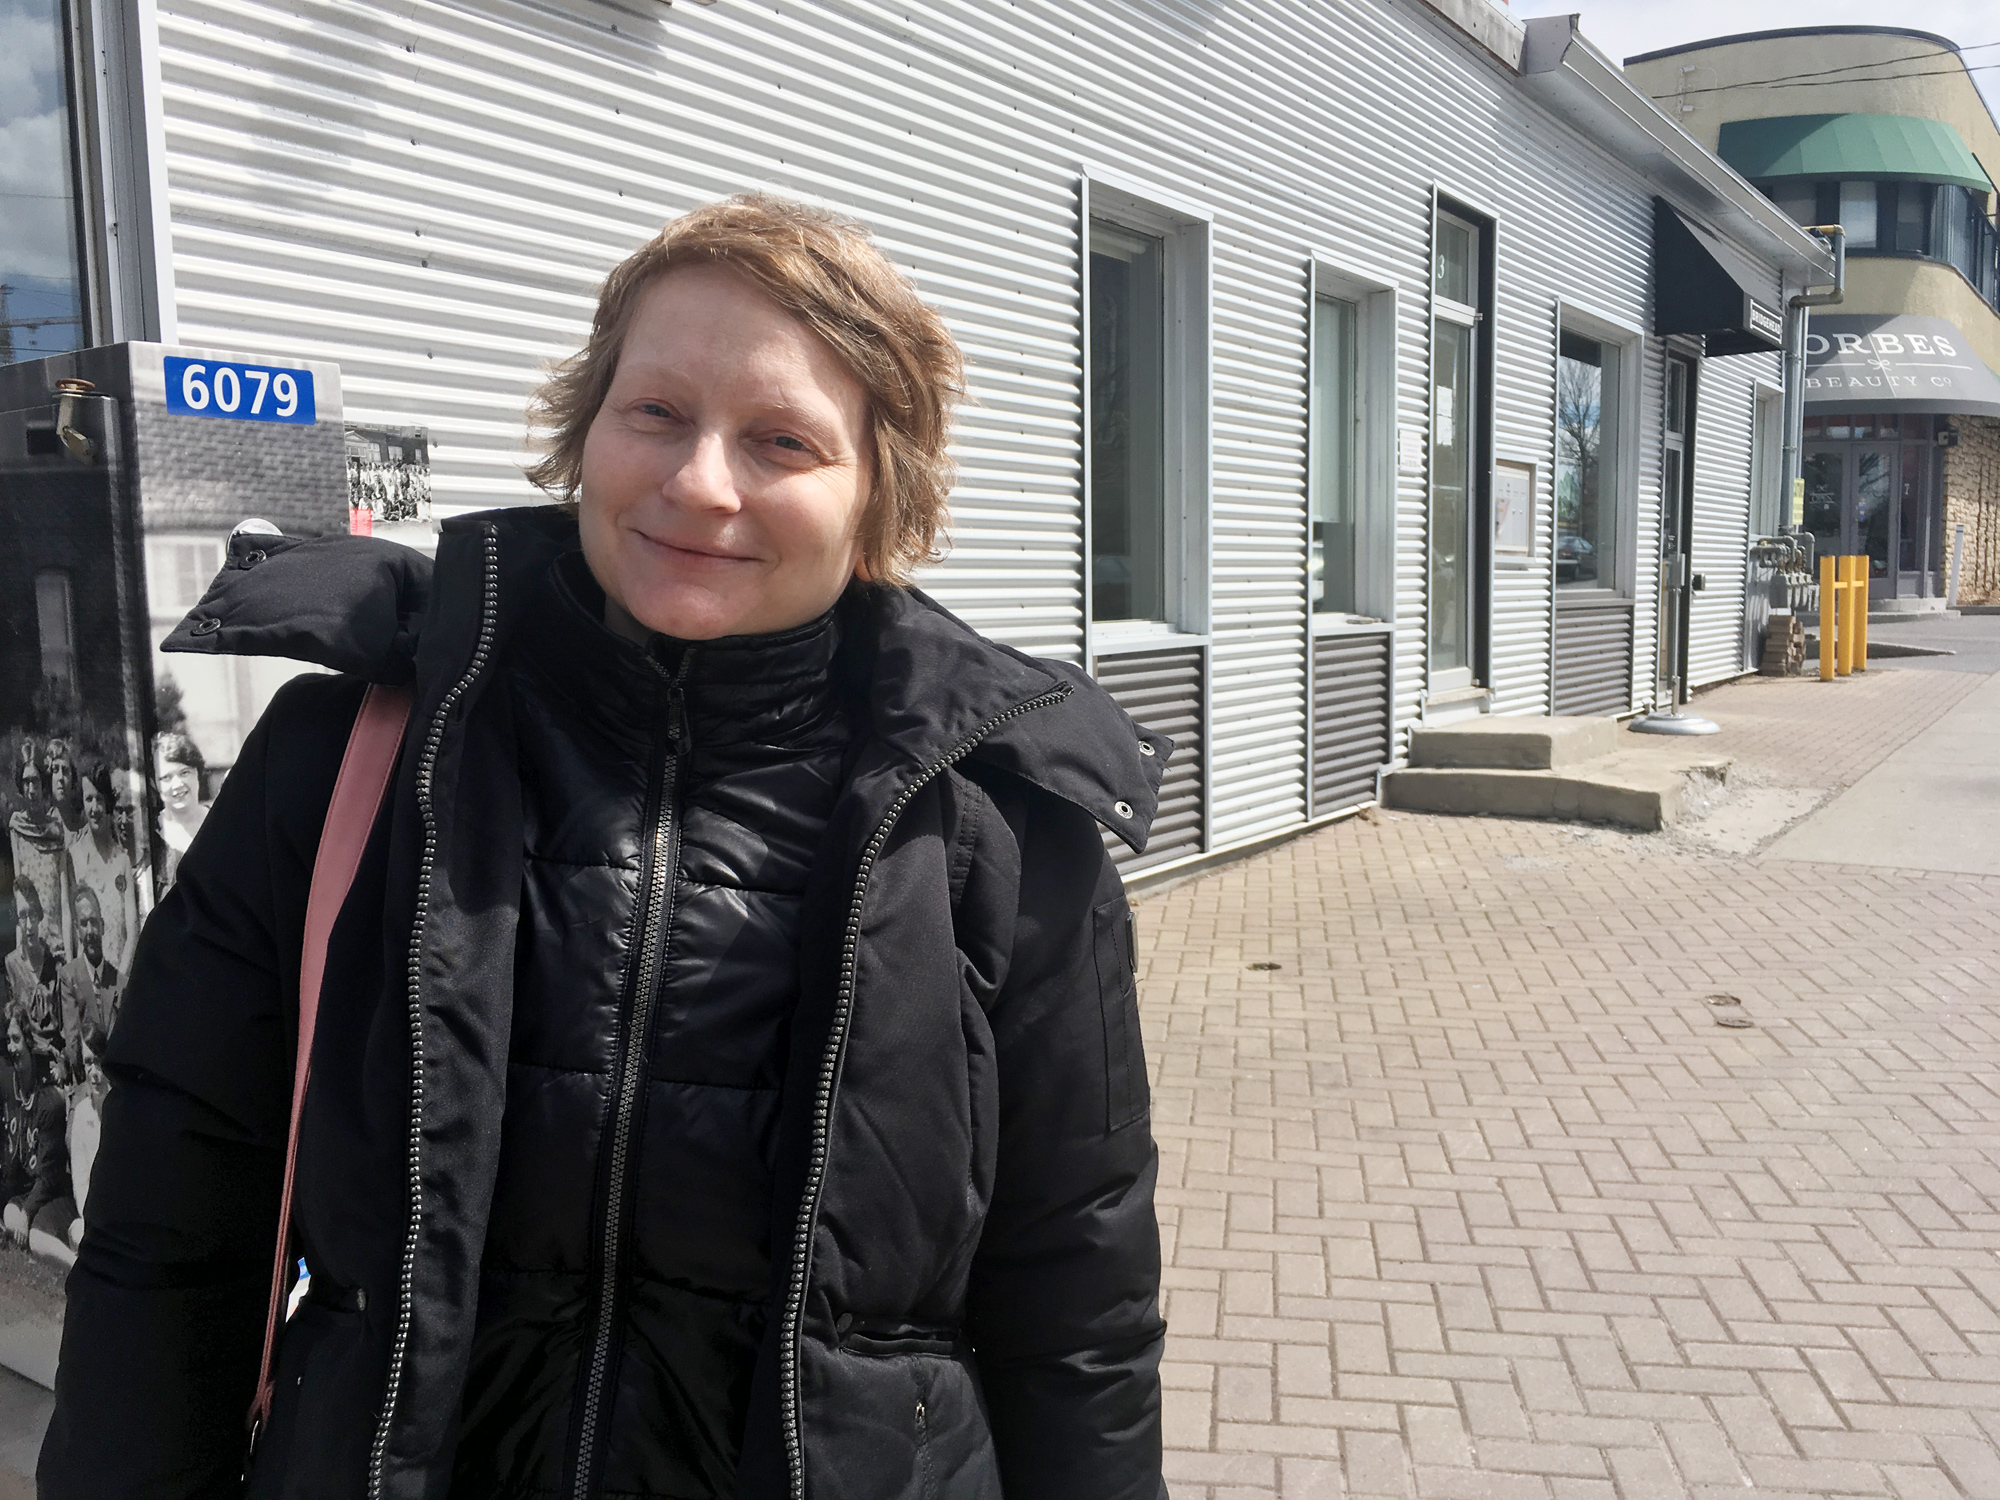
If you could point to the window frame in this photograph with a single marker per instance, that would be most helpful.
(1185, 230)
(1376, 297)
(116, 145)
(1629, 342)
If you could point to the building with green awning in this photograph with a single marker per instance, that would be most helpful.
(1883, 132)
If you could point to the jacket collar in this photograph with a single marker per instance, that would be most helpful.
(932, 687)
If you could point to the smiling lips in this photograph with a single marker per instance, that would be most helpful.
(682, 555)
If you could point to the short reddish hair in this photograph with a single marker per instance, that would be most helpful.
(827, 272)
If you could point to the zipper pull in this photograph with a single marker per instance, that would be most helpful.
(677, 724)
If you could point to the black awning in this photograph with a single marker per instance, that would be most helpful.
(1702, 284)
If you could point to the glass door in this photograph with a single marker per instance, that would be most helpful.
(1826, 490)
(1917, 539)
(1452, 474)
(1458, 558)
(1875, 466)
(1676, 523)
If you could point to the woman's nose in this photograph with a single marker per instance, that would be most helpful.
(704, 480)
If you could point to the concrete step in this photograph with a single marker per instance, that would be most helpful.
(1645, 789)
(1512, 743)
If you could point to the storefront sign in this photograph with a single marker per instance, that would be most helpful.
(1867, 362)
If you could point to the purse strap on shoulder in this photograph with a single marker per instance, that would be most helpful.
(358, 792)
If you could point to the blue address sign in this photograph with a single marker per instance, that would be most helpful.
(244, 393)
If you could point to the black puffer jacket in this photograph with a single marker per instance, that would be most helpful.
(673, 802)
(963, 1260)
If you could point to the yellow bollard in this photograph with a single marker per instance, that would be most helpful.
(1829, 611)
(1860, 595)
(1844, 647)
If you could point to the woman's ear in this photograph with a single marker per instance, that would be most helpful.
(861, 568)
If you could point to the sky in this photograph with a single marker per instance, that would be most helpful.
(37, 254)
(1623, 28)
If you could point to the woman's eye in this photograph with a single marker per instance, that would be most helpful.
(654, 409)
(786, 440)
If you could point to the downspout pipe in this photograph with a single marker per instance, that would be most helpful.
(1797, 313)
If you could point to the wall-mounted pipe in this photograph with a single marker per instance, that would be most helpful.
(1792, 469)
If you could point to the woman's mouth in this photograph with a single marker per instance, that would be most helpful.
(692, 555)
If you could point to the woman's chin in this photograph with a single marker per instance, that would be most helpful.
(690, 612)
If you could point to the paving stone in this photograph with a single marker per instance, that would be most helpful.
(1473, 1197)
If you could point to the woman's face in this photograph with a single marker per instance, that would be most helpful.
(61, 779)
(177, 785)
(725, 476)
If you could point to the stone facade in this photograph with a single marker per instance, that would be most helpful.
(1972, 499)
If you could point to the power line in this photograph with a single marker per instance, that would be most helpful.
(1882, 77)
(1824, 75)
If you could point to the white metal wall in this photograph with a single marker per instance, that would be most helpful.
(1725, 421)
(429, 190)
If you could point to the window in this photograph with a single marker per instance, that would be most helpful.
(1454, 273)
(1798, 198)
(179, 570)
(1586, 461)
(1333, 455)
(55, 622)
(41, 275)
(1128, 489)
(1939, 221)
(1457, 555)
(1858, 214)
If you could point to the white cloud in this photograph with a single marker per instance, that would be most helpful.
(1624, 28)
(34, 208)
(35, 212)
(30, 57)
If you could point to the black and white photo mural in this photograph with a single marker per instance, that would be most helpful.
(123, 470)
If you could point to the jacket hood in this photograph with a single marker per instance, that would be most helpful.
(377, 610)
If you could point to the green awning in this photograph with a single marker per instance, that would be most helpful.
(1851, 146)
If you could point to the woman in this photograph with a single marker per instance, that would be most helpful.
(99, 863)
(727, 1080)
(178, 768)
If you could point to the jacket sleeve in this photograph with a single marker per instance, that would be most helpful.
(1064, 1300)
(166, 1301)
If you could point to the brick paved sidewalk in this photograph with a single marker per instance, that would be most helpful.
(1471, 1196)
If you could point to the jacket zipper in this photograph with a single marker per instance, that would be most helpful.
(829, 1070)
(489, 609)
(656, 920)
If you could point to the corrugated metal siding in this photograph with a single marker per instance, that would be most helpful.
(1161, 690)
(1721, 540)
(1351, 718)
(430, 194)
(1593, 658)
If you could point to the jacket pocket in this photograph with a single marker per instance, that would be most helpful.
(890, 1340)
(1115, 941)
(296, 1454)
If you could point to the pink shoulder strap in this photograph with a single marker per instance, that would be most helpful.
(357, 797)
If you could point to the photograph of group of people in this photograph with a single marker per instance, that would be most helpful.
(90, 849)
